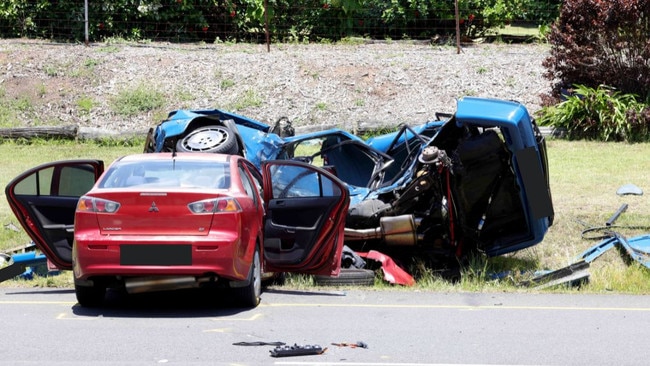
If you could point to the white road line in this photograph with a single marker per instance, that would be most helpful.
(383, 364)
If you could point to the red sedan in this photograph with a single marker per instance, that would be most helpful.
(169, 221)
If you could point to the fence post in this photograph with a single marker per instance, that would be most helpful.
(457, 27)
(266, 25)
(86, 21)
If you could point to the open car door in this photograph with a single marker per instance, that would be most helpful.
(305, 218)
(44, 200)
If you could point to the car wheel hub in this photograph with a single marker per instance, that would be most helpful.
(257, 278)
(206, 139)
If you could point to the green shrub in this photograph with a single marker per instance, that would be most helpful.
(85, 105)
(599, 114)
(137, 100)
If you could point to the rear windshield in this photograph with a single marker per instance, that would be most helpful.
(167, 174)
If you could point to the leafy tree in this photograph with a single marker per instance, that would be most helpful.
(598, 42)
(18, 18)
(245, 20)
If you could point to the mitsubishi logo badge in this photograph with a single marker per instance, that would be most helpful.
(153, 207)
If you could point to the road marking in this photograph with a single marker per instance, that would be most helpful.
(249, 319)
(65, 316)
(378, 306)
(229, 330)
(380, 364)
(458, 307)
(218, 330)
(31, 302)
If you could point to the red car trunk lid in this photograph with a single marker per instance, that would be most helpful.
(155, 213)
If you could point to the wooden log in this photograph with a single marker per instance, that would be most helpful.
(74, 132)
(92, 133)
(65, 132)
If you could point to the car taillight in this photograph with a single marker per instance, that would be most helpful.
(93, 204)
(215, 205)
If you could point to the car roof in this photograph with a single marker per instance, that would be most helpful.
(178, 156)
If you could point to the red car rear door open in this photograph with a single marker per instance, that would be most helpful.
(44, 200)
(305, 220)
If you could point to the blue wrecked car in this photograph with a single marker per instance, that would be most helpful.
(475, 181)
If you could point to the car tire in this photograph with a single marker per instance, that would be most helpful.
(90, 296)
(209, 139)
(348, 277)
(249, 296)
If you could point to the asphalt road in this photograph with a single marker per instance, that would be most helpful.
(47, 327)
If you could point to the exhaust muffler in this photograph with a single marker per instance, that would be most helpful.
(393, 230)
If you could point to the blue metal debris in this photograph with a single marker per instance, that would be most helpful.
(637, 248)
(25, 265)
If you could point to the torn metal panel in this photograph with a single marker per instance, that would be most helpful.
(572, 274)
(597, 250)
(637, 248)
(392, 272)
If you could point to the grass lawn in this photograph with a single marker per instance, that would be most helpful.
(17, 158)
(584, 178)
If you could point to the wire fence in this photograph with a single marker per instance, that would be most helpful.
(264, 20)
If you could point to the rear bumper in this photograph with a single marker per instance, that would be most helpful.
(203, 256)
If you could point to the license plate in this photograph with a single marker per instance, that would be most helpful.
(155, 255)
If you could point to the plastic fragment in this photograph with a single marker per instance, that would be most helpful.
(358, 344)
(296, 350)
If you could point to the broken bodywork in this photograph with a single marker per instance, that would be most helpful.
(633, 250)
(474, 181)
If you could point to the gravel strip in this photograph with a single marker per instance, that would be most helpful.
(314, 85)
